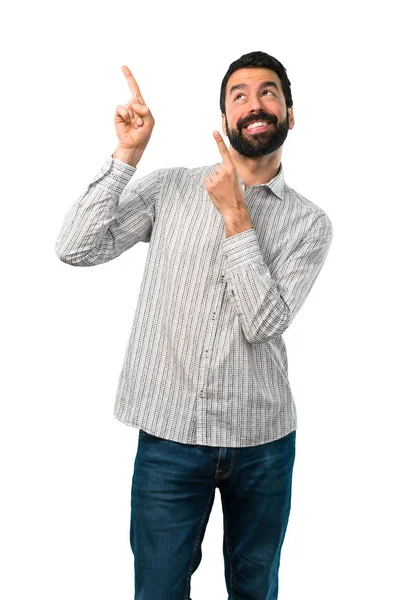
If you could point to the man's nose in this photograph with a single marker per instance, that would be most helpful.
(255, 104)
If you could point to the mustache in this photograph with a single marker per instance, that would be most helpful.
(259, 117)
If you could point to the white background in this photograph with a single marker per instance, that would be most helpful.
(66, 462)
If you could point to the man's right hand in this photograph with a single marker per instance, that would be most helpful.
(133, 121)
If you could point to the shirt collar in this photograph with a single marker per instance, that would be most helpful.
(276, 185)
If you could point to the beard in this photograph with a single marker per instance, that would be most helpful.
(254, 145)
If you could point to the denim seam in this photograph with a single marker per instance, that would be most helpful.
(196, 544)
(232, 594)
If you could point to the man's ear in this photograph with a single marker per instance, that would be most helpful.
(291, 117)
(224, 124)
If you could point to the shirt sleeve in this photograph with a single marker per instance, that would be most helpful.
(110, 216)
(267, 300)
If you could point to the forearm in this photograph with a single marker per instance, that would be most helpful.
(268, 298)
(82, 240)
(131, 157)
(237, 222)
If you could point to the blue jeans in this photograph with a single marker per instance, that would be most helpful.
(173, 490)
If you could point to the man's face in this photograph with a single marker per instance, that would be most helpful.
(256, 102)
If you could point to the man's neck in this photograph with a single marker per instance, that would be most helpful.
(255, 171)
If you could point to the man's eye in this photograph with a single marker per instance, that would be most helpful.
(242, 94)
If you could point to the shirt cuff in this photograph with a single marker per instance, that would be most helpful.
(241, 249)
(114, 175)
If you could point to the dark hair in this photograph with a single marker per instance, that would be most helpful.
(257, 60)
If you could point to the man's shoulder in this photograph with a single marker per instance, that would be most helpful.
(300, 199)
(189, 171)
(186, 175)
(319, 217)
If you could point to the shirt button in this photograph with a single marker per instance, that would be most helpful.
(222, 278)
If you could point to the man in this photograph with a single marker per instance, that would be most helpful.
(233, 254)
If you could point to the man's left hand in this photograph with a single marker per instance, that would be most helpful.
(224, 185)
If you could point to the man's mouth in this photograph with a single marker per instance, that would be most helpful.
(257, 126)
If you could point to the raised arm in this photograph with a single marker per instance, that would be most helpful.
(109, 217)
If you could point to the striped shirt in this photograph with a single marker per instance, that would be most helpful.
(205, 362)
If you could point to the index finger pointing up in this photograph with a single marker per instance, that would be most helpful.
(133, 86)
(226, 157)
